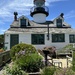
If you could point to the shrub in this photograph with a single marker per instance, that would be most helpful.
(14, 70)
(70, 72)
(20, 48)
(60, 71)
(64, 71)
(30, 63)
(73, 61)
(67, 48)
(52, 51)
(48, 70)
(1, 50)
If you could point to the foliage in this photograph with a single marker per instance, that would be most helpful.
(26, 57)
(1, 41)
(30, 63)
(1, 38)
(48, 70)
(70, 72)
(73, 61)
(64, 71)
(21, 49)
(1, 50)
(68, 48)
(52, 51)
(14, 70)
(60, 71)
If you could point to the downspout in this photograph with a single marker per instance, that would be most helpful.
(48, 32)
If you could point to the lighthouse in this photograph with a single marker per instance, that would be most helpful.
(39, 11)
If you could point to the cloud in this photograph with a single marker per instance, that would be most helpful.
(2, 31)
(48, 2)
(7, 7)
(69, 15)
(21, 6)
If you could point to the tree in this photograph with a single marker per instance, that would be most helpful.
(1, 40)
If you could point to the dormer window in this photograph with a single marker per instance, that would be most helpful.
(23, 23)
(59, 23)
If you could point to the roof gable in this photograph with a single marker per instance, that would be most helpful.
(23, 17)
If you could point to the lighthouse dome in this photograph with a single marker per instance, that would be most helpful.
(39, 12)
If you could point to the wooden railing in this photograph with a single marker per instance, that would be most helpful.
(4, 57)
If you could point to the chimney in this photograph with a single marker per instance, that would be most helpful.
(15, 16)
(62, 14)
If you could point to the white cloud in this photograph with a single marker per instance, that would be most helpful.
(69, 15)
(2, 31)
(16, 5)
(7, 7)
(21, 6)
(48, 2)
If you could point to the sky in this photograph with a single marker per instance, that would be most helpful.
(56, 7)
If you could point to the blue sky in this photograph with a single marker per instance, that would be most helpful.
(8, 7)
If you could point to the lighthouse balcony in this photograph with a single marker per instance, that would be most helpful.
(35, 10)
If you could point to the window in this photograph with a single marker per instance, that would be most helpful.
(23, 22)
(37, 39)
(58, 38)
(72, 38)
(59, 22)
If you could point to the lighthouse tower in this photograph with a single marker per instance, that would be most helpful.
(39, 12)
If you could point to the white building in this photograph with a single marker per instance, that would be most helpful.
(39, 32)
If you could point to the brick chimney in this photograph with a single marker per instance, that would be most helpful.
(15, 16)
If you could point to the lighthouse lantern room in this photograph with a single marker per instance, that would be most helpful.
(39, 12)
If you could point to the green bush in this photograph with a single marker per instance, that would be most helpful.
(60, 71)
(18, 50)
(73, 61)
(70, 72)
(67, 49)
(30, 63)
(52, 51)
(48, 70)
(64, 71)
(14, 70)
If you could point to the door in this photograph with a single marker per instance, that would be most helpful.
(14, 39)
